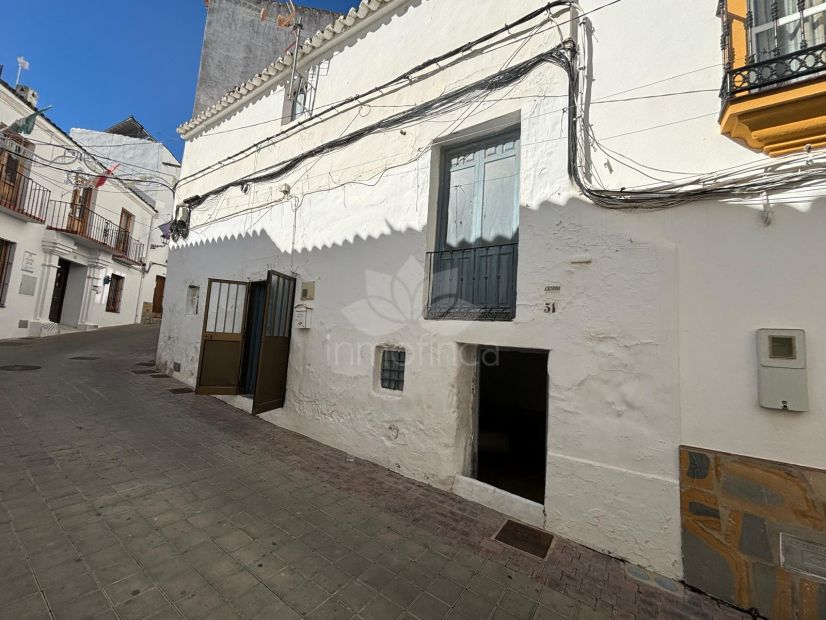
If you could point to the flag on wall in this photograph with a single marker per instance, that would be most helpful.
(105, 176)
(25, 125)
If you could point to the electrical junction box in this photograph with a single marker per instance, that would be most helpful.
(303, 317)
(307, 291)
(781, 378)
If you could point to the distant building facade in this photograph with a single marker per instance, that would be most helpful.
(74, 240)
(139, 155)
(238, 43)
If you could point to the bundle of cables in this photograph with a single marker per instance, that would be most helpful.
(739, 183)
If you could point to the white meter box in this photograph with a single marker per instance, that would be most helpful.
(303, 317)
(781, 379)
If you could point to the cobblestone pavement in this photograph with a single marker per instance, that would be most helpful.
(121, 499)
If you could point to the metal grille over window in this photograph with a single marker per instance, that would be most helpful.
(115, 294)
(392, 369)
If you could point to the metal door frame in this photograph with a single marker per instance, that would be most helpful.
(288, 321)
(210, 281)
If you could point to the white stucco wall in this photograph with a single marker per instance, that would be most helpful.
(141, 159)
(18, 307)
(47, 246)
(653, 342)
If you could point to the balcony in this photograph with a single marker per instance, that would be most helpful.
(774, 88)
(472, 284)
(95, 231)
(774, 72)
(22, 197)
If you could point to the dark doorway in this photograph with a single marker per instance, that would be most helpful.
(245, 347)
(59, 292)
(252, 338)
(511, 424)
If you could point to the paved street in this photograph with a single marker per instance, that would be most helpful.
(119, 498)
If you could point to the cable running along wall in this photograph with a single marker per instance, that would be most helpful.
(711, 186)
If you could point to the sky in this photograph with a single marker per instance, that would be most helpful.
(98, 61)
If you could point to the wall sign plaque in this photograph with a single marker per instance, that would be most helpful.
(803, 556)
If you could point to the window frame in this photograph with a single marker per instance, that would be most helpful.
(754, 29)
(7, 251)
(391, 375)
(113, 299)
(304, 93)
(443, 201)
(125, 232)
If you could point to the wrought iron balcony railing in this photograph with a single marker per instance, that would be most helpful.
(472, 284)
(128, 248)
(778, 71)
(22, 195)
(769, 44)
(76, 220)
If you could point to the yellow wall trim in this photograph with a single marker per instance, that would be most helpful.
(774, 120)
(779, 121)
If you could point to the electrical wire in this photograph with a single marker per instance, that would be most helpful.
(97, 156)
(447, 102)
(288, 132)
(98, 208)
(404, 78)
(735, 183)
(46, 163)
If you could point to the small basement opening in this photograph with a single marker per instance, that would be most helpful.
(511, 421)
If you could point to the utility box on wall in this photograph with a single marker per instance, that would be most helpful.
(303, 317)
(781, 375)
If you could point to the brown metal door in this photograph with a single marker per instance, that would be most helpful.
(157, 298)
(271, 385)
(59, 291)
(223, 337)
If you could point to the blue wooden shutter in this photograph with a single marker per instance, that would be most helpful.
(480, 195)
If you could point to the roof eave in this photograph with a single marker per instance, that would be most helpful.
(342, 29)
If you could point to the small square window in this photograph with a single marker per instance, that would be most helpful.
(782, 348)
(392, 369)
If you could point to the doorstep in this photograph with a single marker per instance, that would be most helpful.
(496, 499)
(244, 403)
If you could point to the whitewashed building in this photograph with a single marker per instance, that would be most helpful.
(154, 168)
(551, 267)
(73, 238)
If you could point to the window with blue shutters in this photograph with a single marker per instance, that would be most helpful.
(473, 268)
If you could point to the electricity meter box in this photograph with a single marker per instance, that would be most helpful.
(781, 375)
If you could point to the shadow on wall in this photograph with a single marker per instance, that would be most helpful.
(655, 280)
(375, 285)
(363, 287)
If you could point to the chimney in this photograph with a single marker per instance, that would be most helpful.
(29, 94)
